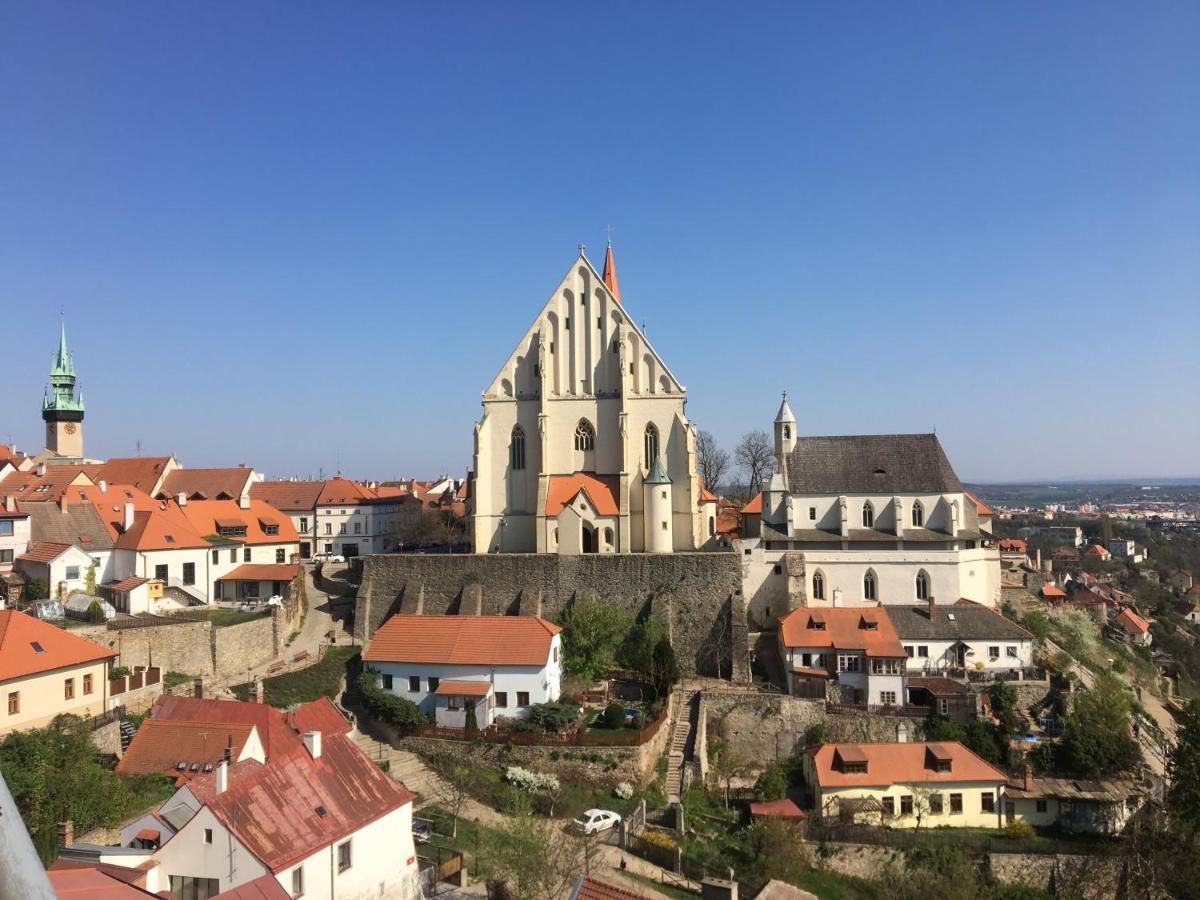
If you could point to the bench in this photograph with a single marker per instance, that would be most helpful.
(302, 655)
(275, 667)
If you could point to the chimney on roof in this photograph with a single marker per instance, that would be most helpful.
(1028, 777)
(66, 834)
(10, 503)
(103, 485)
(41, 469)
(127, 521)
(932, 607)
(244, 500)
(312, 741)
(257, 690)
(228, 754)
(200, 688)
(222, 777)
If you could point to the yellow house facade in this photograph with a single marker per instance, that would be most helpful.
(905, 785)
(46, 671)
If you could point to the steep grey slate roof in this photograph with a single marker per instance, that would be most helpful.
(971, 622)
(78, 524)
(871, 464)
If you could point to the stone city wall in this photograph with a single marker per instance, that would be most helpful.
(696, 596)
(766, 728)
(236, 648)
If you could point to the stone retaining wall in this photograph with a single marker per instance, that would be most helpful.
(696, 596)
(237, 648)
(766, 728)
(107, 738)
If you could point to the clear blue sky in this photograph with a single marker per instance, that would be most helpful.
(287, 231)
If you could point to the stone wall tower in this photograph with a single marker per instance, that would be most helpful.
(62, 407)
(658, 514)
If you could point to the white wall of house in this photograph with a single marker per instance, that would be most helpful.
(935, 656)
(14, 540)
(371, 527)
(209, 563)
(542, 683)
(67, 573)
(226, 858)
(877, 688)
(973, 814)
(953, 574)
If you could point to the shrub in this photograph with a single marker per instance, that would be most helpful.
(120, 672)
(1019, 830)
(772, 784)
(386, 706)
(624, 790)
(614, 715)
(553, 716)
(816, 735)
(658, 839)
(531, 782)
(95, 612)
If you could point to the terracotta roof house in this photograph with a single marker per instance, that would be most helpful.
(1135, 628)
(853, 652)
(589, 887)
(46, 671)
(208, 484)
(326, 817)
(1097, 551)
(72, 879)
(1077, 806)
(904, 784)
(516, 660)
(277, 737)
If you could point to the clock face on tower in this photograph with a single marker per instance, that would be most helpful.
(69, 428)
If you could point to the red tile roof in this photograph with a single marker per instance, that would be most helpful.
(845, 628)
(980, 507)
(706, 496)
(289, 496)
(21, 636)
(93, 882)
(592, 888)
(30, 487)
(1097, 550)
(204, 515)
(263, 572)
(142, 472)
(784, 809)
(134, 581)
(754, 506)
(889, 764)
(319, 715)
(463, 688)
(206, 484)
(602, 492)
(161, 744)
(44, 552)
(1050, 590)
(1132, 622)
(464, 640)
(276, 812)
(278, 739)
(344, 492)
(1013, 544)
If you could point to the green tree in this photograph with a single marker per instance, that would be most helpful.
(816, 735)
(664, 670)
(95, 612)
(528, 858)
(592, 633)
(614, 715)
(55, 773)
(386, 706)
(772, 784)
(38, 589)
(1096, 739)
(90, 580)
(1183, 773)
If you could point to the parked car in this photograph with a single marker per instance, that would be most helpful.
(329, 557)
(596, 820)
(420, 832)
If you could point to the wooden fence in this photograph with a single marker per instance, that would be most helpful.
(140, 677)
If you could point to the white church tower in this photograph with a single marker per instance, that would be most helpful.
(584, 446)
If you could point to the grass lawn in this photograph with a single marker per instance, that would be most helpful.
(173, 679)
(832, 886)
(304, 685)
(469, 838)
(671, 890)
(223, 617)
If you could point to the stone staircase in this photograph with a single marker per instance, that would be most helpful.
(404, 767)
(683, 742)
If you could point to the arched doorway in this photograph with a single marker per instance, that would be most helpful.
(588, 539)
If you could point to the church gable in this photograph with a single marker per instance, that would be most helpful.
(579, 329)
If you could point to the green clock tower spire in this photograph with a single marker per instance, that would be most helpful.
(62, 407)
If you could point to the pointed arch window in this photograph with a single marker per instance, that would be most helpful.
(918, 514)
(818, 589)
(585, 435)
(868, 515)
(516, 449)
(922, 585)
(651, 444)
(787, 432)
(870, 586)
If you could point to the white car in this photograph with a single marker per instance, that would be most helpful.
(596, 820)
(329, 557)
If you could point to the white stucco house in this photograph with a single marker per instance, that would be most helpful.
(497, 665)
(851, 655)
(863, 519)
(961, 637)
(324, 822)
(14, 534)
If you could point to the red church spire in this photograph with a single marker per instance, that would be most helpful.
(610, 273)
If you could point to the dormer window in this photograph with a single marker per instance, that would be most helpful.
(850, 760)
(271, 529)
(939, 758)
(868, 625)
